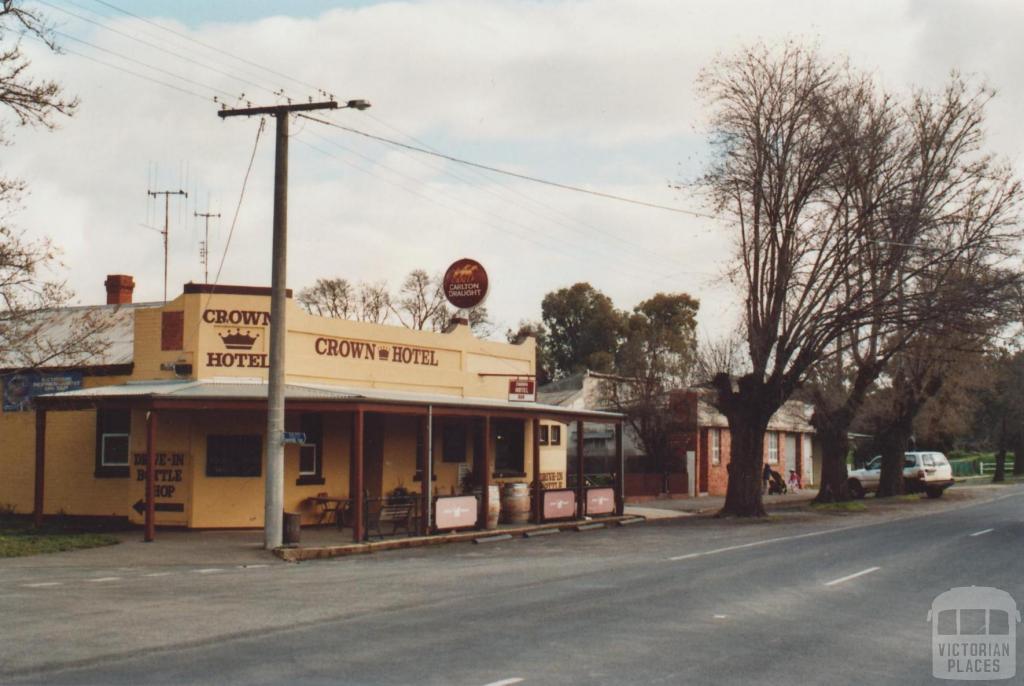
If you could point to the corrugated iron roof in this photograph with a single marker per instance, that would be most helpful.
(53, 329)
(256, 389)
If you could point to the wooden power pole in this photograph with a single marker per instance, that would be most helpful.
(273, 509)
(167, 216)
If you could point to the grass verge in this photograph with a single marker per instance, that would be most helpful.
(845, 506)
(19, 538)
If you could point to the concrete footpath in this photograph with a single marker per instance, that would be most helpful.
(713, 503)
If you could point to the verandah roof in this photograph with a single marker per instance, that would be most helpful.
(252, 394)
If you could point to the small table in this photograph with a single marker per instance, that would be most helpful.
(327, 506)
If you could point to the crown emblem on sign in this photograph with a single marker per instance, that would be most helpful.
(238, 340)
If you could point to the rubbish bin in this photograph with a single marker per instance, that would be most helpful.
(292, 528)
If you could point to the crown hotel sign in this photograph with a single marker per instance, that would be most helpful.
(465, 283)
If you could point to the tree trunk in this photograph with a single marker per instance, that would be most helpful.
(1000, 475)
(834, 447)
(746, 461)
(1018, 454)
(893, 443)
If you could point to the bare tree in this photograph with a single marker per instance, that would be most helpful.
(840, 219)
(329, 298)
(420, 302)
(374, 302)
(29, 289)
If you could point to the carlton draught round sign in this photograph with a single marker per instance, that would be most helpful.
(465, 283)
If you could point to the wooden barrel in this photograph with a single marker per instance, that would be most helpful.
(494, 505)
(515, 504)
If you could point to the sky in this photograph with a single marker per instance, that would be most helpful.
(590, 93)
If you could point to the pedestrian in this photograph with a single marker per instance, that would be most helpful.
(794, 481)
(766, 476)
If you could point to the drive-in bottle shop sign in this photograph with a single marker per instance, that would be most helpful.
(465, 283)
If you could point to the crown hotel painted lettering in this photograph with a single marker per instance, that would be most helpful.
(360, 350)
(238, 339)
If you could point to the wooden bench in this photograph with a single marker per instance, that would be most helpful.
(398, 515)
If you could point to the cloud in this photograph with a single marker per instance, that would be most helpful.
(594, 93)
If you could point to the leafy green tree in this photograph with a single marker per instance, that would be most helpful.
(656, 356)
(583, 328)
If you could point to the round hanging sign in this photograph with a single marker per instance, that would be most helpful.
(465, 283)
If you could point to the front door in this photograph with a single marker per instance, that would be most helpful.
(790, 455)
(373, 454)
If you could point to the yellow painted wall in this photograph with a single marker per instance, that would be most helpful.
(446, 363)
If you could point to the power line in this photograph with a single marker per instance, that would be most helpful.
(157, 47)
(210, 47)
(143, 64)
(238, 209)
(496, 170)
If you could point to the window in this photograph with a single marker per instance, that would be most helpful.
(508, 448)
(556, 435)
(234, 455)
(453, 442)
(716, 446)
(544, 433)
(113, 439)
(773, 447)
(311, 467)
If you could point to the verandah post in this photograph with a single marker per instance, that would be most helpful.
(620, 479)
(581, 491)
(485, 478)
(37, 504)
(538, 492)
(356, 486)
(150, 467)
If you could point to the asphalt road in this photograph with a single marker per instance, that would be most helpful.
(796, 600)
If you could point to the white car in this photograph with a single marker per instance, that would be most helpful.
(927, 472)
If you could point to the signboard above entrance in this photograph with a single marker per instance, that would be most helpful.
(465, 283)
(522, 390)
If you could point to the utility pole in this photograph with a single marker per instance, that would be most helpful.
(273, 507)
(167, 216)
(204, 251)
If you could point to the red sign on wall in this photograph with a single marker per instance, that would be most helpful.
(524, 390)
(465, 283)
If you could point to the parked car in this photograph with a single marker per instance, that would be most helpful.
(923, 472)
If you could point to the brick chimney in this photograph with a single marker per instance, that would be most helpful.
(119, 289)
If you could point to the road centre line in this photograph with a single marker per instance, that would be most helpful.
(505, 682)
(42, 584)
(848, 577)
(824, 532)
(104, 579)
(208, 570)
(982, 532)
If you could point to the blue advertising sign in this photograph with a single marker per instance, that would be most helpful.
(19, 389)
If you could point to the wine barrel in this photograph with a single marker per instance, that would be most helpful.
(494, 505)
(515, 504)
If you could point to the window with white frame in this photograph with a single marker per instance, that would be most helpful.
(716, 446)
(113, 439)
(773, 447)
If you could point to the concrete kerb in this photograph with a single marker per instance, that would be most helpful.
(324, 552)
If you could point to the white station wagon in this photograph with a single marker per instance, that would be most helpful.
(927, 472)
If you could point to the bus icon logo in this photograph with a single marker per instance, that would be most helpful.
(974, 634)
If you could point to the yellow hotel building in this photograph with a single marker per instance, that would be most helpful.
(380, 408)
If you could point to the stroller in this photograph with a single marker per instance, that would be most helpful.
(776, 486)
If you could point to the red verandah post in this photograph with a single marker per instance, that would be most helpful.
(37, 504)
(150, 467)
(538, 492)
(620, 479)
(356, 486)
(581, 490)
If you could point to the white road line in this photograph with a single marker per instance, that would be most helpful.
(865, 525)
(209, 570)
(42, 584)
(151, 574)
(764, 541)
(252, 566)
(104, 579)
(505, 682)
(852, 576)
(982, 532)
